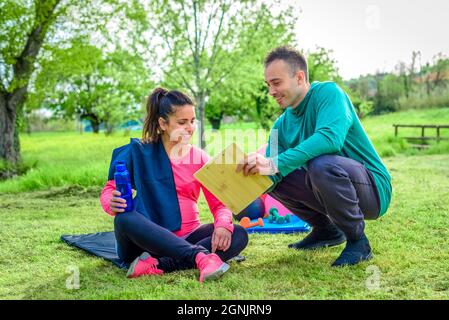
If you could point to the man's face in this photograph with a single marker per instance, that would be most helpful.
(284, 87)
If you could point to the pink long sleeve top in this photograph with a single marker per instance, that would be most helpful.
(188, 191)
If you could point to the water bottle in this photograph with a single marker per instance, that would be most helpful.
(123, 184)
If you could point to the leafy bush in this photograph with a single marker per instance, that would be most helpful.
(433, 101)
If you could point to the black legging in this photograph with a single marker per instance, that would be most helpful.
(136, 234)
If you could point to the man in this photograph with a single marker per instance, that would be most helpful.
(325, 169)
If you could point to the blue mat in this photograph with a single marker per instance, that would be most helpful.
(101, 244)
(295, 225)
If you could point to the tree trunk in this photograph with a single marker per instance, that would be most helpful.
(13, 98)
(9, 142)
(109, 128)
(94, 121)
(215, 122)
(95, 125)
(201, 104)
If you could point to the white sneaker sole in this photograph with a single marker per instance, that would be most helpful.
(131, 268)
(218, 273)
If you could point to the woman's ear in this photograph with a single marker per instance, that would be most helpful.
(162, 124)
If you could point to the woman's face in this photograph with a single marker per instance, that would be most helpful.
(181, 125)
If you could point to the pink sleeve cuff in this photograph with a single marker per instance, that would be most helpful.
(106, 196)
(223, 219)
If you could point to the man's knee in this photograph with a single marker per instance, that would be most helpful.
(321, 168)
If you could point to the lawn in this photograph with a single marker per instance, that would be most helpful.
(60, 196)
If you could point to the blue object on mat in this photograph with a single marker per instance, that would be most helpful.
(295, 225)
(101, 244)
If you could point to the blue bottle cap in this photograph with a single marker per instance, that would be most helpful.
(120, 166)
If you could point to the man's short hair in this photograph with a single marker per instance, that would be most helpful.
(295, 60)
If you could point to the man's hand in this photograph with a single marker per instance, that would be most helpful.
(256, 163)
(221, 239)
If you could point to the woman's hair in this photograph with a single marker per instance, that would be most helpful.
(161, 103)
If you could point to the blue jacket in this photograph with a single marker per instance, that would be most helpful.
(152, 177)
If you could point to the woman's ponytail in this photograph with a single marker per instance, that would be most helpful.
(151, 124)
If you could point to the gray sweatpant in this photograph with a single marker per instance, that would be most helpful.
(333, 189)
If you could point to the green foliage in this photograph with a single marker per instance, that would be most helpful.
(213, 49)
(16, 21)
(82, 80)
(424, 102)
(322, 66)
(389, 90)
(362, 107)
(409, 87)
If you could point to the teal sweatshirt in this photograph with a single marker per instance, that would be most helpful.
(325, 123)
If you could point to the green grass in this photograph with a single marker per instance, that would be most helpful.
(410, 245)
(380, 130)
(60, 196)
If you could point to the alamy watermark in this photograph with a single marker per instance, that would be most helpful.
(72, 282)
(372, 283)
(373, 17)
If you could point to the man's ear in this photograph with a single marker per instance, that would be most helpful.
(300, 77)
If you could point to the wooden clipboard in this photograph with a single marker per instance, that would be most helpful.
(233, 189)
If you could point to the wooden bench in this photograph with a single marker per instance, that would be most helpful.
(423, 138)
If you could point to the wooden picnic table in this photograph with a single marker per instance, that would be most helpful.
(423, 137)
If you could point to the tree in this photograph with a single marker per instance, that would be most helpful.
(440, 71)
(83, 80)
(25, 27)
(243, 93)
(204, 41)
(322, 67)
(22, 36)
(389, 90)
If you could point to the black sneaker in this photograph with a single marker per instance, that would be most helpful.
(354, 253)
(320, 237)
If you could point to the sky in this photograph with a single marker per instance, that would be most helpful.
(373, 35)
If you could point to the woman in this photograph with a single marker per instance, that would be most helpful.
(163, 233)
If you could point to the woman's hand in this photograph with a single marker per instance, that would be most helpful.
(221, 239)
(118, 204)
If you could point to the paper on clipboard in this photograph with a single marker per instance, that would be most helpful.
(233, 189)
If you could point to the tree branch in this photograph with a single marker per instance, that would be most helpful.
(211, 16)
(23, 66)
(198, 30)
(236, 61)
(214, 47)
(196, 58)
(187, 27)
(186, 83)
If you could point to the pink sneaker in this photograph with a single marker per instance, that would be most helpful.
(143, 265)
(210, 265)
